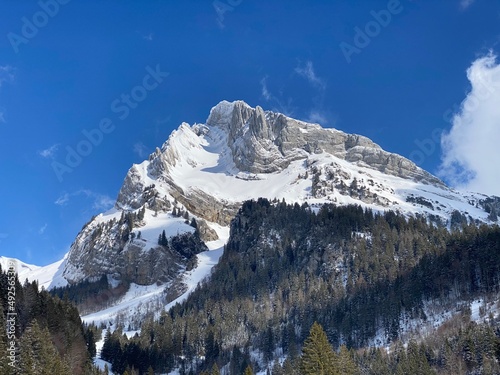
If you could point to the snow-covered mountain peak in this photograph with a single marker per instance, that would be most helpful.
(21, 268)
(243, 152)
(225, 113)
(205, 171)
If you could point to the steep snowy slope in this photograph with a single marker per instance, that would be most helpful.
(22, 269)
(48, 276)
(243, 153)
(205, 171)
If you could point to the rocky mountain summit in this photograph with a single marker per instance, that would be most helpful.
(265, 142)
(189, 190)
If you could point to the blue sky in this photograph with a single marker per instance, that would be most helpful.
(126, 73)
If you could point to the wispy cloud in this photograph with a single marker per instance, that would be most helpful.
(149, 37)
(464, 4)
(42, 229)
(279, 105)
(62, 200)
(316, 116)
(317, 113)
(6, 74)
(99, 201)
(102, 202)
(265, 92)
(307, 71)
(49, 152)
(470, 148)
(140, 149)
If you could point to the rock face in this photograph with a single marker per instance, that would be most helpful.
(256, 142)
(108, 249)
(263, 142)
(205, 171)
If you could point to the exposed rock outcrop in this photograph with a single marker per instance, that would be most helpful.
(263, 142)
(105, 249)
(207, 170)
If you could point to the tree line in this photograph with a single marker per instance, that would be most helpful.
(285, 267)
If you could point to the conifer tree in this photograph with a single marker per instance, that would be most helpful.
(38, 355)
(318, 357)
(346, 364)
(215, 370)
(289, 367)
(248, 371)
(4, 361)
(277, 369)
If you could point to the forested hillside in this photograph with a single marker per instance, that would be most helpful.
(42, 334)
(361, 275)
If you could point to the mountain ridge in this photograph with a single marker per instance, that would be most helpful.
(205, 171)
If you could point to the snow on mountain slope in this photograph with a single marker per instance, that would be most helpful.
(48, 276)
(209, 164)
(205, 171)
(141, 300)
(22, 269)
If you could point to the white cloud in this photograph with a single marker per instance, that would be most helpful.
(42, 229)
(471, 148)
(140, 149)
(307, 71)
(62, 200)
(317, 117)
(99, 201)
(279, 105)
(49, 152)
(265, 92)
(102, 202)
(464, 4)
(148, 37)
(6, 74)
(317, 113)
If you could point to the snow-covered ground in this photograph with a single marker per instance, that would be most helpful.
(23, 269)
(438, 313)
(139, 298)
(134, 302)
(49, 276)
(97, 360)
